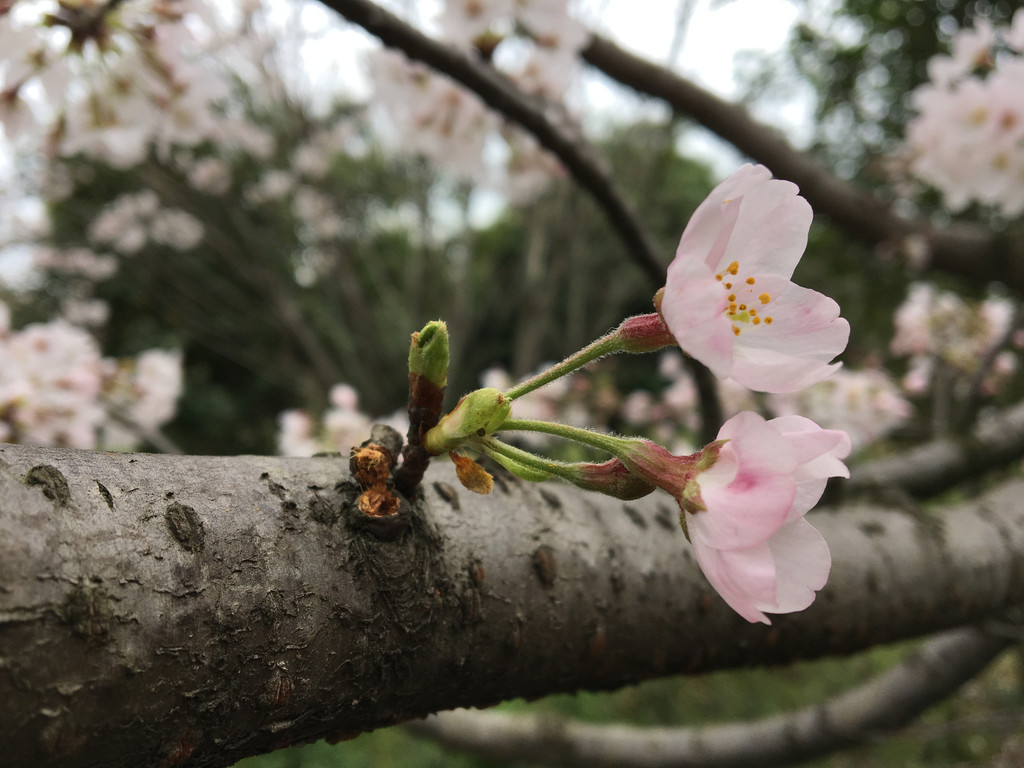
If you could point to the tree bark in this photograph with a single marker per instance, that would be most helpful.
(159, 610)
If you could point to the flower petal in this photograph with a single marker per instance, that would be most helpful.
(693, 308)
(745, 579)
(754, 503)
(706, 223)
(770, 233)
(793, 352)
(802, 564)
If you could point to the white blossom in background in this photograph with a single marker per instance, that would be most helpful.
(867, 404)
(87, 313)
(146, 76)
(535, 43)
(463, 22)
(211, 175)
(313, 157)
(176, 228)
(934, 326)
(140, 395)
(132, 81)
(430, 114)
(81, 262)
(341, 427)
(133, 219)
(968, 137)
(57, 389)
(317, 213)
(273, 185)
(295, 434)
(50, 384)
(158, 383)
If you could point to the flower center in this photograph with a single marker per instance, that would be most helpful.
(745, 303)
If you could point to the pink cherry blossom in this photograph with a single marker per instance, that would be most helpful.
(743, 501)
(728, 299)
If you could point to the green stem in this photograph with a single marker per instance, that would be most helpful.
(609, 443)
(492, 445)
(642, 333)
(606, 345)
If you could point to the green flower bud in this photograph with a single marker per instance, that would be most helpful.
(428, 353)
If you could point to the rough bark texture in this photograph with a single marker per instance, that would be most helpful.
(163, 610)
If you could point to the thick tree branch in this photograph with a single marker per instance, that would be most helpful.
(961, 249)
(882, 705)
(546, 122)
(937, 466)
(159, 606)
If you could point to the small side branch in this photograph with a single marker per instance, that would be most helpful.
(882, 705)
(937, 466)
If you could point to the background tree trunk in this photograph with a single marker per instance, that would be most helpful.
(158, 610)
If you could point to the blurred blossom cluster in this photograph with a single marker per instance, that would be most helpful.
(134, 219)
(865, 403)
(939, 329)
(968, 137)
(341, 427)
(110, 80)
(57, 389)
(535, 43)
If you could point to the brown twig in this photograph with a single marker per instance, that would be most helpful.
(426, 404)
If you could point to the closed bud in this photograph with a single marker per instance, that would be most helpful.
(611, 478)
(428, 353)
